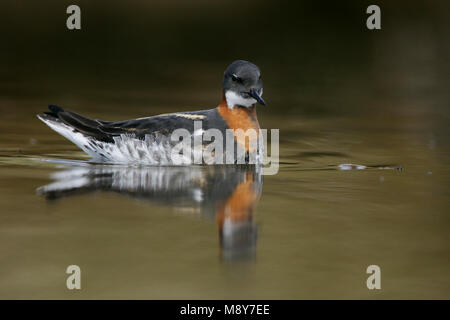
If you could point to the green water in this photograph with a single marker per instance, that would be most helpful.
(316, 227)
(338, 94)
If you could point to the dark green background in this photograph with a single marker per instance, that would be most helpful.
(176, 52)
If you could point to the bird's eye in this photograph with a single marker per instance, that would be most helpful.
(235, 78)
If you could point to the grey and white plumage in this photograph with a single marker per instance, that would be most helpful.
(147, 140)
(144, 140)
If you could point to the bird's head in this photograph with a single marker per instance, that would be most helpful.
(242, 85)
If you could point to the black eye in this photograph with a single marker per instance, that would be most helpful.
(236, 78)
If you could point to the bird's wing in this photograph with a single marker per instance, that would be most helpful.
(106, 130)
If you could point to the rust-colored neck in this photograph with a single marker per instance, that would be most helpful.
(238, 117)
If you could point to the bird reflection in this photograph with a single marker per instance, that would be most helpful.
(227, 193)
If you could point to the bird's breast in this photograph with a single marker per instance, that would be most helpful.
(241, 118)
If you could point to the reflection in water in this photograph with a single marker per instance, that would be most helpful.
(228, 193)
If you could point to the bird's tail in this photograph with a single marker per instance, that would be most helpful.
(83, 132)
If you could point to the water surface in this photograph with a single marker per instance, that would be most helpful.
(308, 232)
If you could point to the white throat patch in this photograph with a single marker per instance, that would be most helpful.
(234, 99)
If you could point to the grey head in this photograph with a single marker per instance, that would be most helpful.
(242, 84)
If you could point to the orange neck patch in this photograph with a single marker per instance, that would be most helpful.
(239, 118)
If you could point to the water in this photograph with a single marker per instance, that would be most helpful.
(160, 232)
(363, 179)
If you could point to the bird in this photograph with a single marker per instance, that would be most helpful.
(148, 140)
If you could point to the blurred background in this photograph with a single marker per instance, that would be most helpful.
(175, 53)
(338, 92)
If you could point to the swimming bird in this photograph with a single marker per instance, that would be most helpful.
(148, 140)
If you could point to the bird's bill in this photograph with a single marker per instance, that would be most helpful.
(255, 95)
